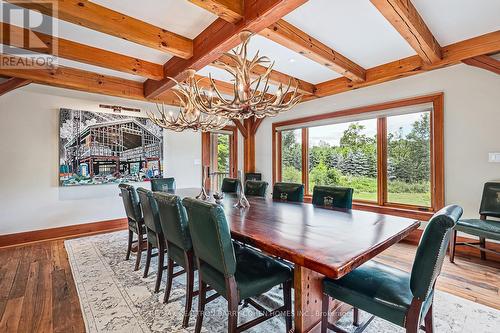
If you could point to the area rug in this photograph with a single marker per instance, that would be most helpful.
(114, 298)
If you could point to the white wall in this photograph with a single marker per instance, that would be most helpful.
(471, 125)
(30, 196)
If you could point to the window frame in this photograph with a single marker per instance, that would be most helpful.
(381, 205)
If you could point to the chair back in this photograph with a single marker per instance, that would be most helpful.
(253, 176)
(210, 234)
(288, 192)
(431, 251)
(149, 210)
(131, 202)
(230, 185)
(173, 219)
(162, 184)
(256, 188)
(490, 202)
(333, 196)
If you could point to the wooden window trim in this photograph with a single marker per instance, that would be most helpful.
(381, 206)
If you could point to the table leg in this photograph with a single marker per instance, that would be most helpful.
(308, 296)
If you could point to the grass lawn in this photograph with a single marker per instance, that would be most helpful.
(418, 199)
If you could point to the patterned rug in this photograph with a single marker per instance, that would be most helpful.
(114, 298)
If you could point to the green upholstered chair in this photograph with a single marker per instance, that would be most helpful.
(256, 188)
(174, 224)
(154, 233)
(253, 176)
(288, 192)
(392, 294)
(135, 221)
(230, 185)
(336, 197)
(162, 184)
(237, 273)
(482, 227)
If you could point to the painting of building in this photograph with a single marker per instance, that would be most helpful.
(101, 148)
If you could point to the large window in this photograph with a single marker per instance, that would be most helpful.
(345, 154)
(391, 154)
(291, 156)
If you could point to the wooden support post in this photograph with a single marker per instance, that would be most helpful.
(249, 146)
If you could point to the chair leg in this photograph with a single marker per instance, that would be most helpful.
(325, 304)
(129, 245)
(355, 315)
(482, 243)
(170, 272)
(232, 316)
(139, 250)
(201, 305)
(149, 248)
(189, 293)
(287, 298)
(429, 322)
(453, 241)
(159, 271)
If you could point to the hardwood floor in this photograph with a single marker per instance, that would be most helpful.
(37, 291)
(38, 294)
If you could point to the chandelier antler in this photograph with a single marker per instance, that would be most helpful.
(251, 97)
(189, 116)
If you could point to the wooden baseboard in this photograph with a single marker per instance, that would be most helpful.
(71, 231)
(461, 250)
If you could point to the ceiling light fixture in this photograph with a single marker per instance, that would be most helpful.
(251, 97)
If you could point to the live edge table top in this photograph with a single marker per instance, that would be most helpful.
(330, 242)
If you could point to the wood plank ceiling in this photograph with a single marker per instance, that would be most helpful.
(263, 17)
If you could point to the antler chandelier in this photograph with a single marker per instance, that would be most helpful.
(251, 97)
(189, 116)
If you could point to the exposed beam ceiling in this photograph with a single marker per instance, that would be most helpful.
(220, 37)
(102, 19)
(452, 54)
(12, 84)
(228, 10)
(485, 62)
(76, 79)
(275, 77)
(294, 39)
(14, 36)
(408, 22)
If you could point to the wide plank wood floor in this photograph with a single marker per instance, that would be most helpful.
(38, 294)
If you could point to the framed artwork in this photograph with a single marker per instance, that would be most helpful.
(104, 148)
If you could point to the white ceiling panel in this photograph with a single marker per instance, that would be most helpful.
(452, 21)
(355, 28)
(290, 62)
(179, 16)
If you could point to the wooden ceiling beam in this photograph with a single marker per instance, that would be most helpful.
(102, 19)
(408, 22)
(297, 40)
(229, 10)
(12, 84)
(485, 62)
(76, 79)
(452, 55)
(38, 42)
(220, 37)
(276, 77)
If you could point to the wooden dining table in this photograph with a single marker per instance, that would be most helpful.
(318, 241)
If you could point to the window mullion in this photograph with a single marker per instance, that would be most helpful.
(382, 161)
(305, 159)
